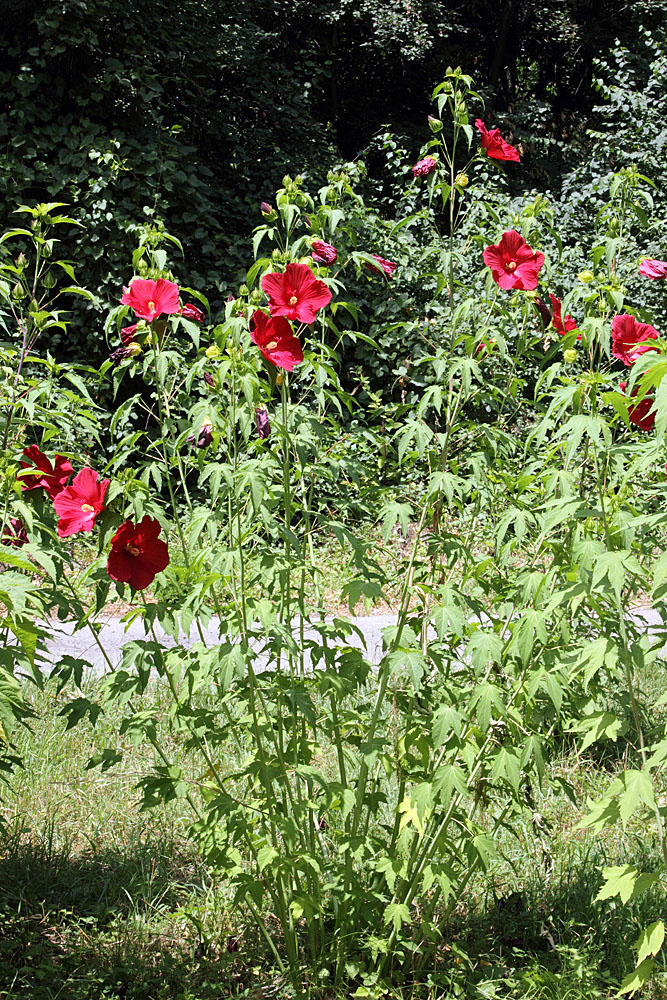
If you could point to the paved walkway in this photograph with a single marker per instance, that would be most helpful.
(114, 634)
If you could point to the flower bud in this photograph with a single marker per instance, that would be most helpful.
(18, 292)
(570, 355)
(204, 437)
(213, 351)
(210, 381)
(434, 124)
(586, 276)
(49, 280)
(279, 379)
(277, 254)
(262, 423)
(287, 181)
(243, 290)
(461, 180)
(265, 208)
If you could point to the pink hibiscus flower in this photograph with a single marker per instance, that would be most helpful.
(78, 505)
(655, 269)
(513, 263)
(424, 167)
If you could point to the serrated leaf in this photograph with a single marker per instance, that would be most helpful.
(636, 979)
(650, 940)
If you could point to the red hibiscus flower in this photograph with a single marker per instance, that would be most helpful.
(424, 167)
(513, 263)
(494, 144)
(189, 311)
(296, 293)
(639, 414)
(561, 325)
(51, 477)
(137, 554)
(150, 299)
(273, 335)
(14, 533)
(653, 268)
(387, 267)
(79, 504)
(626, 337)
(323, 253)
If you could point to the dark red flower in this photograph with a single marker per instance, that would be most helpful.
(262, 423)
(561, 325)
(639, 414)
(544, 311)
(323, 253)
(208, 378)
(127, 334)
(123, 353)
(190, 311)
(513, 263)
(295, 293)
(150, 299)
(655, 269)
(494, 144)
(14, 533)
(52, 477)
(387, 267)
(627, 336)
(273, 335)
(204, 437)
(137, 554)
(78, 505)
(424, 167)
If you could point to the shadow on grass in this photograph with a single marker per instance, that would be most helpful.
(147, 924)
(140, 925)
(550, 938)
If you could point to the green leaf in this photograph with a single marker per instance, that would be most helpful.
(625, 881)
(411, 660)
(397, 914)
(637, 789)
(636, 979)
(650, 940)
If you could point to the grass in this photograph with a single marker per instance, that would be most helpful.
(100, 900)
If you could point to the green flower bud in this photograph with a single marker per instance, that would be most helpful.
(434, 124)
(586, 276)
(243, 290)
(570, 355)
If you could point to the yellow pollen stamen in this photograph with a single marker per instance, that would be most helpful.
(511, 266)
(272, 345)
(293, 300)
(151, 306)
(87, 508)
(132, 550)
